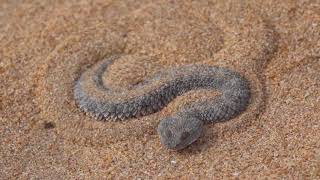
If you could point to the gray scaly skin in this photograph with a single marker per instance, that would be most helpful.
(181, 129)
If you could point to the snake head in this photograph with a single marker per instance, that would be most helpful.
(177, 132)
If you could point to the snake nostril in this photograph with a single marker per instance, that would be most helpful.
(184, 135)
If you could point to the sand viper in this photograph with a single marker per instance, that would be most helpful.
(181, 129)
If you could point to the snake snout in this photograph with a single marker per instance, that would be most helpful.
(178, 132)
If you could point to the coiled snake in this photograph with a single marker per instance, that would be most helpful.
(181, 129)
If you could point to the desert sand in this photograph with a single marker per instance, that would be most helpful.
(45, 45)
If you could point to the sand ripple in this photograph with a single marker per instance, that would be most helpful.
(240, 41)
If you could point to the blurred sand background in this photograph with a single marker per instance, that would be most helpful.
(45, 45)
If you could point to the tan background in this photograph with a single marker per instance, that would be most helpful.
(45, 44)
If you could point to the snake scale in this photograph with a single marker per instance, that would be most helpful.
(180, 129)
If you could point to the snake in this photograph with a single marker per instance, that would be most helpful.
(180, 129)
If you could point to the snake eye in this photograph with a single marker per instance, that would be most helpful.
(184, 136)
(168, 133)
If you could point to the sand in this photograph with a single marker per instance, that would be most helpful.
(45, 45)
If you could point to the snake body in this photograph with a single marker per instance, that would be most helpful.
(178, 130)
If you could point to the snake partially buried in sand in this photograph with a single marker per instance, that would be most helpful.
(180, 129)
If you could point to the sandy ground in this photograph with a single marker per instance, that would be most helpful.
(45, 45)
